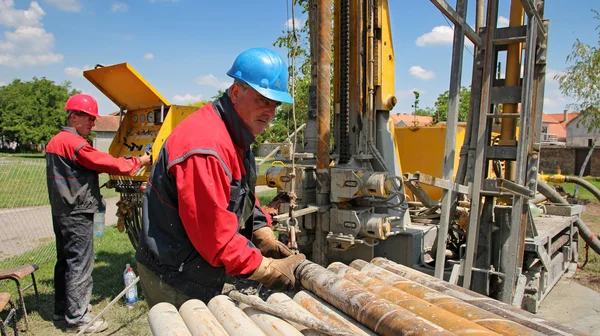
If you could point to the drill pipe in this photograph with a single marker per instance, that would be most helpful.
(426, 310)
(329, 314)
(456, 306)
(500, 308)
(291, 305)
(380, 315)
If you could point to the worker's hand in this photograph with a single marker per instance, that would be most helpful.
(278, 274)
(269, 246)
(146, 159)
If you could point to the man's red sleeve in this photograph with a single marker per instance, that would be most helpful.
(203, 190)
(93, 159)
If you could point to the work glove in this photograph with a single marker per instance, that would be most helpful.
(278, 274)
(269, 246)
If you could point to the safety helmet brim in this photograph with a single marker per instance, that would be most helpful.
(278, 96)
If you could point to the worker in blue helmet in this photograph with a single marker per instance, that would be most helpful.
(201, 217)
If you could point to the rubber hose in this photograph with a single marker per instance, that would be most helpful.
(584, 231)
(587, 185)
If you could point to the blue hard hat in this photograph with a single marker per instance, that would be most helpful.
(265, 71)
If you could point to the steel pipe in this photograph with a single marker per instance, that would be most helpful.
(380, 315)
(499, 308)
(199, 320)
(164, 320)
(271, 325)
(456, 306)
(291, 305)
(232, 318)
(322, 310)
(426, 310)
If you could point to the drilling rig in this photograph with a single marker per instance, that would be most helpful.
(348, 201)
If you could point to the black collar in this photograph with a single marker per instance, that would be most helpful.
(239, 132)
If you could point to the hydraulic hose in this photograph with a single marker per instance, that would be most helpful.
(587, 185)
(590, 238)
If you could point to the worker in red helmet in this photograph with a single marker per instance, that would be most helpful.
(72, 168)
(201, 217)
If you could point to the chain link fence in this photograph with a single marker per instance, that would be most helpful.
(26, 234)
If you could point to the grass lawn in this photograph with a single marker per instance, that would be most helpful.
(583, 193)
(23, 181)
(112, 251)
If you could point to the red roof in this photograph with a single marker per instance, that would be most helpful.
(557, 122)
(410, 120)
(106, 123)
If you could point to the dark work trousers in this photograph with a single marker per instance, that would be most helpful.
(74, 265)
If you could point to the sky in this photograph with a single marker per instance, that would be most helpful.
(184, 48)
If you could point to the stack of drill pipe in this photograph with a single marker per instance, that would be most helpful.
(291, 305)
(324, 312)
(428, 311)
(164, 320)
(380, 315)
(199, 320)
(499, 308)
(454, 305)
(232, 318)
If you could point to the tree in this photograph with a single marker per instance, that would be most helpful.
(32, 112)
(581, 81)
(199, 104)
(297, 44)
(441, 105)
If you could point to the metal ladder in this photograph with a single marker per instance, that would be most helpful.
(487, 93)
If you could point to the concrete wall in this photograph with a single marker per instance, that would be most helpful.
(103, 140)
(578, 135)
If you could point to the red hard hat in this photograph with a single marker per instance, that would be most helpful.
(83, 103)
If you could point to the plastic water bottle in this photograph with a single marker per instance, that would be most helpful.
(131, 297)
(99, 219)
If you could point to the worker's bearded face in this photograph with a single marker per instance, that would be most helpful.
(255, 110)
(82, 123)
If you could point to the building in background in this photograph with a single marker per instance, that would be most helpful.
(105, 128)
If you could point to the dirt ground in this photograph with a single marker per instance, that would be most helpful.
(590, 275)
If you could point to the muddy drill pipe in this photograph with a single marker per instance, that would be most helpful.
(426, 310)
(456, 306)
(328, 314)
(380, 315)
(500, 308)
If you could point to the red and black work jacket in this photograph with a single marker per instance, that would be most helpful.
(72, 168)
(199, 209)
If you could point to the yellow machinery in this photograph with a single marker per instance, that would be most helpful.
(147, 118)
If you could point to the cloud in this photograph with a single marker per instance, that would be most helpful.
(11, 17)
(2, 84)
(149, 56)
(502, 22)
(550, 103)
(118, 7)
(440, 35)
(75, 71)
(419, 72)
(299, 23)
(29, 44)
(66, 5)
(211, 80)
(550, 73)
(186, 99)
(408, 93)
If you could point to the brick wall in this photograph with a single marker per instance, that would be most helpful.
(552, 158)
